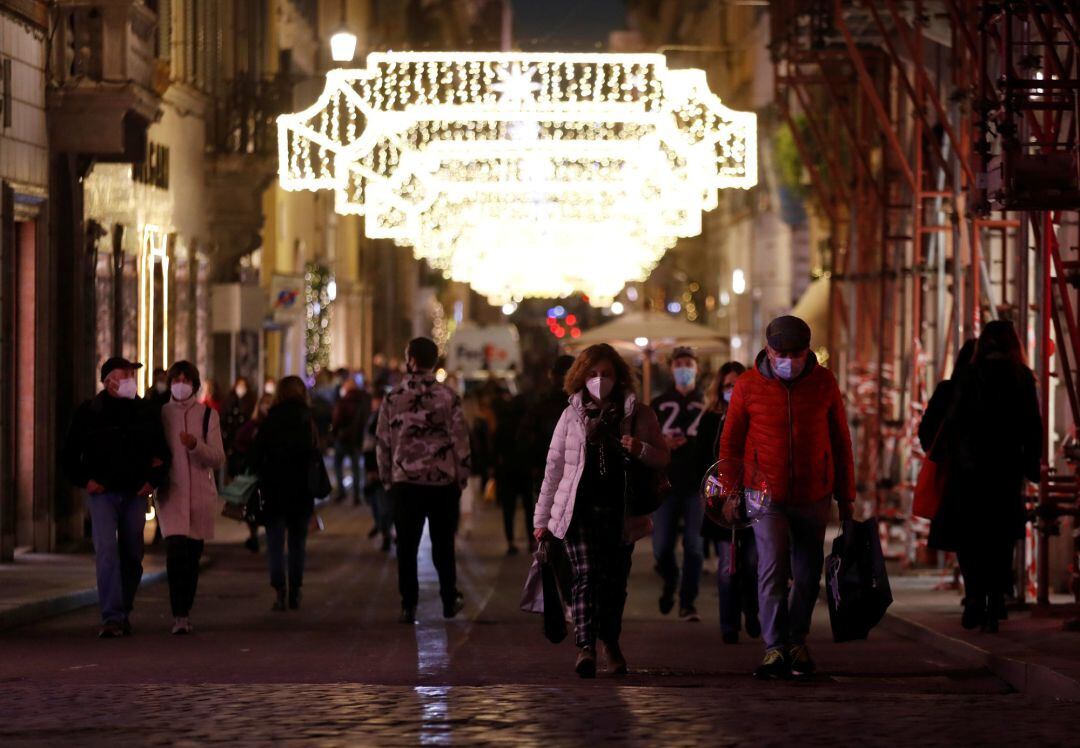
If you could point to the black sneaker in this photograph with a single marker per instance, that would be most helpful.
(294, 599)
(753, 627)
(801, 661)
(689, 613)
(408, 615)
(111, 630)
(452, 608)
(774, 667)
(667, 602)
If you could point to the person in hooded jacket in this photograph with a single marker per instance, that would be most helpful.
(187, 503)
(582, 500)
(787, 421)
(285, 444)
(990, 440)
(736, 573)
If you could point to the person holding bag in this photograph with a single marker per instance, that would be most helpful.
(584, 495)
(187, 503)
(284, 459)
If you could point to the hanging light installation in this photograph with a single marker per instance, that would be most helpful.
(523, 174)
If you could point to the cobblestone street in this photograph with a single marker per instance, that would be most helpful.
(341, 671)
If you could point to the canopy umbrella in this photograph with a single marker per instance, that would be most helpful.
(648, 333)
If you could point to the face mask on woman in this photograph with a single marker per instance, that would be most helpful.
(600, 387)
(181, 390)
(127, 388)
(727, 395)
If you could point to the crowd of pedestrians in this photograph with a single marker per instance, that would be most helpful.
(575, 457)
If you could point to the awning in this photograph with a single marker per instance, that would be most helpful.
(813, 309)
(632, 332)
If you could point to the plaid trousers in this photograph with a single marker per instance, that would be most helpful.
(600, 562)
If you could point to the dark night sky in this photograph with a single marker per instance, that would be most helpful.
(566, 25)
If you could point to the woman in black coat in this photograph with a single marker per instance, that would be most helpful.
(281, 457)
(990, 442)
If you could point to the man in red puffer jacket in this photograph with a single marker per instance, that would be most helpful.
(787, 419)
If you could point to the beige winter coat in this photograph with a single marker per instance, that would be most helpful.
(566, 461)
(187, 504)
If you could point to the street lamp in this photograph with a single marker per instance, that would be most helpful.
(343, 43)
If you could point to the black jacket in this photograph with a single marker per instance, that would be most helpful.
(679, 414)
(281, 457)
(115, 442)
(990, 442)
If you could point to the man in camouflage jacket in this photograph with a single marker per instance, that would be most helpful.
(422, 445)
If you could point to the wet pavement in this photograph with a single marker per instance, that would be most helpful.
(341, 671)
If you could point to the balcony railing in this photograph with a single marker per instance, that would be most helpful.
(243, 116)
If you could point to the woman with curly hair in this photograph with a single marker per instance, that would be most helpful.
(582, 499)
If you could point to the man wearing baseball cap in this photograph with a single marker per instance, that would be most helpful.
(787, 419)
(679, 410)
(116, 450)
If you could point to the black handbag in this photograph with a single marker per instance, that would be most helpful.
(644, 489)
(318, 480)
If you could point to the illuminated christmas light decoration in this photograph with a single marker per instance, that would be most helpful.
(510, 170)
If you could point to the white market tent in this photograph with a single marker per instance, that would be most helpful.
(649, 333)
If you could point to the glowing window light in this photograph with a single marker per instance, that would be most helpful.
(738, 281)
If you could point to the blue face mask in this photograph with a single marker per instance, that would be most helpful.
(684, 376)
(787, 368)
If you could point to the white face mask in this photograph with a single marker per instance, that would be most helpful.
(161, 387)
(181, 390)
(600, 387)
(727, 395)
(127, 388)
(241, 390)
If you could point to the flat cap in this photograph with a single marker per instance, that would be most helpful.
(788, 333)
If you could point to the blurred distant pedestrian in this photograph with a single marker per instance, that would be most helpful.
(511, 467)
(423, 454)
(158, 394)
(242, 446)
(186, 504)
(236, 410)
(583, 497)
(990, 441)
(347, 425)
(787, 420)
(116, 450)
(679, 409)
(284, 448)
(736, 577)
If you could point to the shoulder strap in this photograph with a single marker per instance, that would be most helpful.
(205, 421)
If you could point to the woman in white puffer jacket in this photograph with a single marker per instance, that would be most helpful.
(582, 499)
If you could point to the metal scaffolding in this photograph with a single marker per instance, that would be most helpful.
(940, 143)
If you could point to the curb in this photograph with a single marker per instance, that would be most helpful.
(39, 610)
(1028, 678)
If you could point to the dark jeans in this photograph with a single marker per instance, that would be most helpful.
(276, 530)
(690, 509)
(987, 570)
(510, 494)
(347, 451)
(413, 505)
(738, 590)
(117, 521)
(182, 556)
(600, 563)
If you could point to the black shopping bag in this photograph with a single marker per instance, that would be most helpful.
(856, 583)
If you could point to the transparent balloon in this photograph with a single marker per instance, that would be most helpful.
(735, 493)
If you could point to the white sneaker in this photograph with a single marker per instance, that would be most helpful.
(181, 626)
